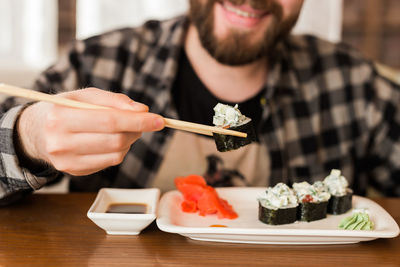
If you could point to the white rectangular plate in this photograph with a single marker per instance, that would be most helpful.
(248, 229)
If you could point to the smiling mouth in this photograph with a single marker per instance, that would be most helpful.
(242, 13)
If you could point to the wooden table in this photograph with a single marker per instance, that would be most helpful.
(53, 230)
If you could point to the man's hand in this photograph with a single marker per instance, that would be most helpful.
(82, 141)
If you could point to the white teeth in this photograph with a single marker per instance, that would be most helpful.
(241, 12)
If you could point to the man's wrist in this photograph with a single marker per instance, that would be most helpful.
(32, 164)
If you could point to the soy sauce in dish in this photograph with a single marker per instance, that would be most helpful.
(128, 208)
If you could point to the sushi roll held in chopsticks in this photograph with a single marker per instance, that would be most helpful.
(341, 196)
(231, 118)
(313, 201)
(278, 205)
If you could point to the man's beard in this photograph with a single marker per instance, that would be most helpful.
(235, 49)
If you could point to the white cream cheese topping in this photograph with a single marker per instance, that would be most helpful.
(278, 197)
(336, 183)
(318, 191)
(226, 115)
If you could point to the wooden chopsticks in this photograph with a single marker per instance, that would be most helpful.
(171, 123)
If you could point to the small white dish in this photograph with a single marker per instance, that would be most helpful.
(248, 229)
(124, 223)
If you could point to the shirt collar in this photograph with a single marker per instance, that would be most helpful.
(160, 67)
(282, 78)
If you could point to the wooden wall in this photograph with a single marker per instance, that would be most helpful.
(373, 26)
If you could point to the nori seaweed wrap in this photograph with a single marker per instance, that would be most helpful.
(313, 201)
(309, 211)
(229, 142)
(341, 195)
(230, 118)
(276, 217)
(278, 205)
(340, 204)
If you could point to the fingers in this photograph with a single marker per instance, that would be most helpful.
(103, 121)
(126, 115)
(90, 143)
(106, 98)
(87, 164)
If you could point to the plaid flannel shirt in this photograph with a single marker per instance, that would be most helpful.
(326, 108)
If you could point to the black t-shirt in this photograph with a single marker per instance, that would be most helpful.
(195, 102)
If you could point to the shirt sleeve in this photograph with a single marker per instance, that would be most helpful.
(14, 179)
(383, 120)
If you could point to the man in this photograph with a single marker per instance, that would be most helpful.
(316, 106)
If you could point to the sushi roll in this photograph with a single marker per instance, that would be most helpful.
(313, 201)
(231, 118)
(277, 205)
(341, 196)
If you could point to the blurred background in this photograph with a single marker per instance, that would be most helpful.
(35, 32)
